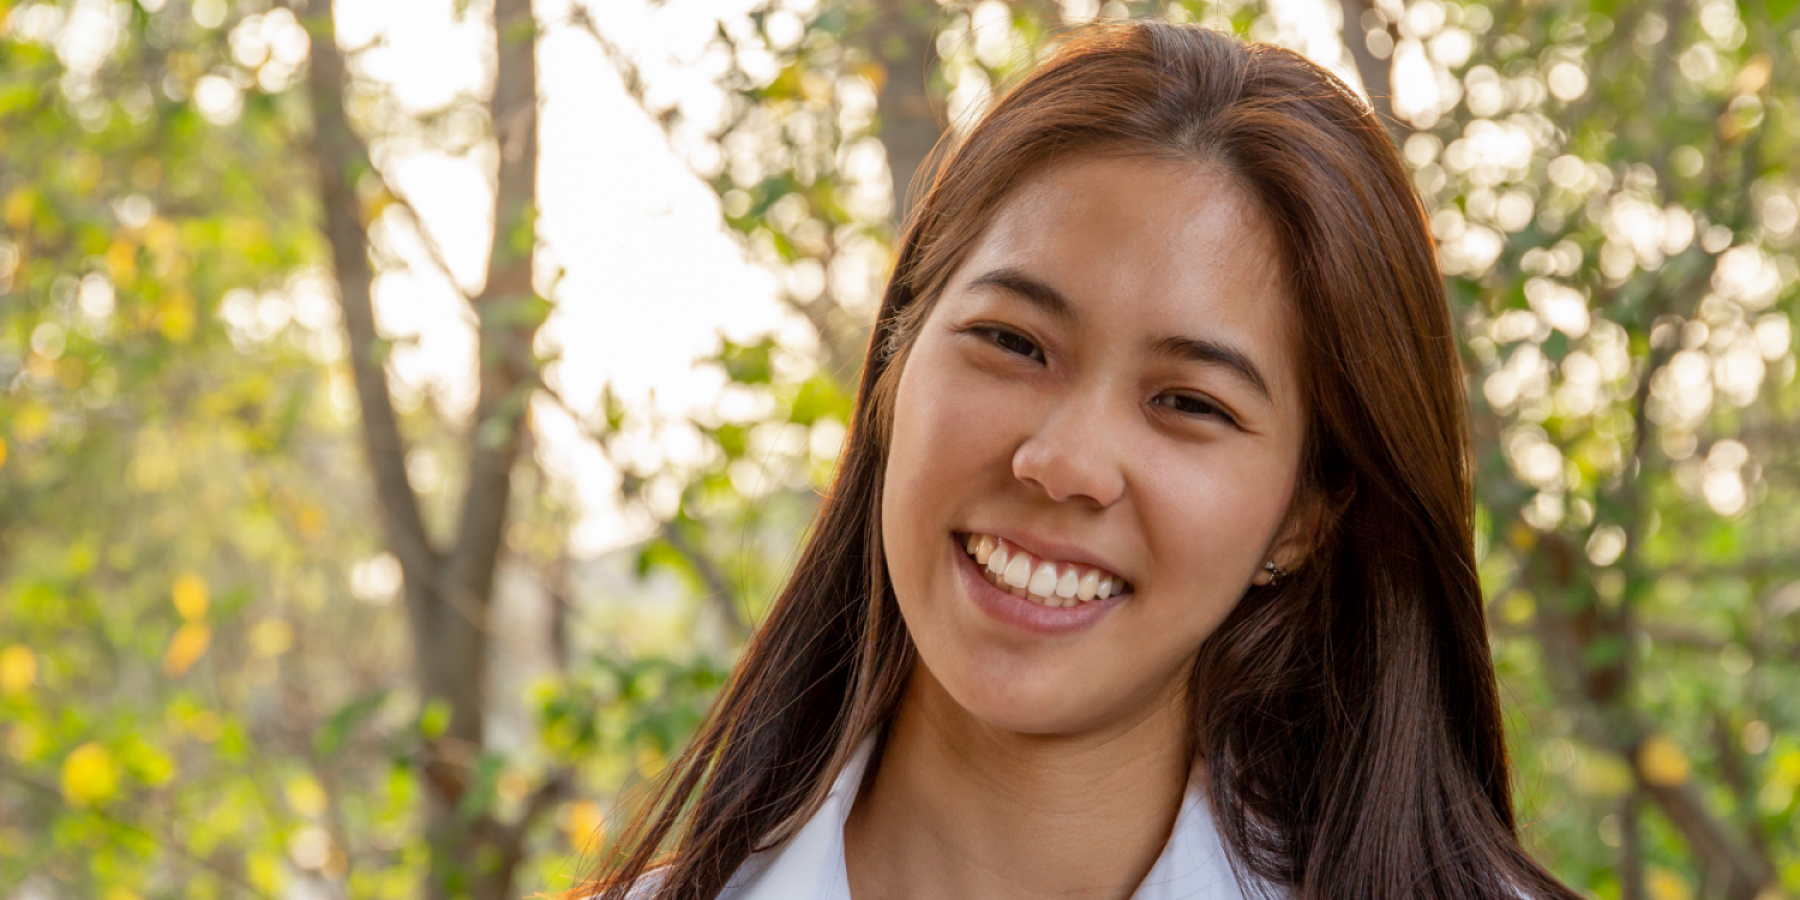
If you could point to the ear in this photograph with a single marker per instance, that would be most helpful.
(1312, 518)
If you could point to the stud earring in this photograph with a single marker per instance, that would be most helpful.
(1272, 574)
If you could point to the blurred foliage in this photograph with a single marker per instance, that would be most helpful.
(204, 665)
(176, 481)
(204, 684)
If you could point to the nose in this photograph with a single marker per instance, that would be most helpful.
(1073, 455)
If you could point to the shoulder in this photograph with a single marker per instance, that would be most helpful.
(648, 884)
(644, 888)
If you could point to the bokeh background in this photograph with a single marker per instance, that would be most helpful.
(407, 406)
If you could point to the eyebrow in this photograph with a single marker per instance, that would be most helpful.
(1188, 349)
(1213, 353)
(1046, 298)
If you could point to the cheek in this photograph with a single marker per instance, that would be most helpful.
(950, 441)
(1211, 522)
(927, 472)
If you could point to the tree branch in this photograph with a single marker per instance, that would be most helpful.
(1375, 72)
(338, 157)
(511, 839)
(504, 387)
(433, 251)
(1744, 872)
(1631, 848)
(842, 345)
(719, 591)
(902, 41)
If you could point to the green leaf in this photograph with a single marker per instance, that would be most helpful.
(819, 398)
(480, 794)
(331, 736)
(434, 720)
(748, 363)
(526, 311)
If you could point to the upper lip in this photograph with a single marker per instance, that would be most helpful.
(1057, 551)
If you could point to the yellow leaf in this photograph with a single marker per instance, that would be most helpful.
(1601, 775)
(20, 204)
(190, 596)
(88, 776)
(144, 761)
(31, 421)
(117, 892)
(121, 261)
(161, 236)
(1666, 885)
(18, 669)
(873, 71)
(1662, 762)
(306, 796)
(175, 318)
(650, 762)
(2, 453)
(1518, 607)
(378, 203)
(271, 637)
(186, 648)
(265, 871)
(311, 522)
(205, 726)
(584, 825)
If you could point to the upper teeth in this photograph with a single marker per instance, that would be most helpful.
(1040, 580)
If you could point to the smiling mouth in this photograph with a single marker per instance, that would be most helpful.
(1042, 581)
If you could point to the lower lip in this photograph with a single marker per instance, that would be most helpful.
(1011, 609)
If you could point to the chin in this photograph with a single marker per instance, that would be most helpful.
(1039, 706)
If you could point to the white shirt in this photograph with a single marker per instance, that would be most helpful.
(810, 866)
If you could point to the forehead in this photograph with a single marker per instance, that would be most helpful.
(1153, 245)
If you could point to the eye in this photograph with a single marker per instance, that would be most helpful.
(1197, 407)
(1012, 342)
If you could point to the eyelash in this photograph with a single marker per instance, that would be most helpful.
(1208, 409)
(1000, 337)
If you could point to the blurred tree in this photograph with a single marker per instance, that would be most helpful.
(449, 588)
(1614, 189)
(174, 504)
(188, 210)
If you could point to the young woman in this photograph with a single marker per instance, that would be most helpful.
(1148, 572)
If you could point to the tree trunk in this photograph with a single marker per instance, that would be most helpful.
(448, 593)
(1375, 72)
(903, 40)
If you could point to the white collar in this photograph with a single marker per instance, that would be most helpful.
(810, 866)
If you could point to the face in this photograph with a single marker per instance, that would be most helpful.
(1105, 392)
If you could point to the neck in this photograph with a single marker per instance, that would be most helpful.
(959, 809)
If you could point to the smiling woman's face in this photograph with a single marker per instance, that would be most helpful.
(1107, 388)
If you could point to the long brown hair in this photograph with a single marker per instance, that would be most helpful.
(1349, 716)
